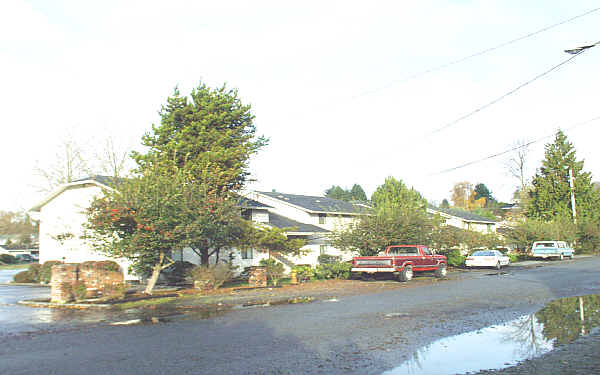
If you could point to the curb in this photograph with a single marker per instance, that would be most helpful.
(34, 303)
(25, 284)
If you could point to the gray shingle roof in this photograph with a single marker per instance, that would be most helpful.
(316, 204)
(463, 214)
(284, 222)
(251, 203)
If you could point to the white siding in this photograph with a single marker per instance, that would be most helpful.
(66, 214)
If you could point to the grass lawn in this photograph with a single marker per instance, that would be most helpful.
(14, 266)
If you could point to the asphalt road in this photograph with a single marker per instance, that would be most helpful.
(364, 334)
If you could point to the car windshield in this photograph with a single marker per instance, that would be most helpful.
(483, 253)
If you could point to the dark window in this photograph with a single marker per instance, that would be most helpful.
(322, 218)
(247, 214)
(247, 254)
(323, 249)
(403, 251)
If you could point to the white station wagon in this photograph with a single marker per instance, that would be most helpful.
(552, 249)
(487, 258)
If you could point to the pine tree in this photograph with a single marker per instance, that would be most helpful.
(357, 193)
(550, 196)
(211, 133)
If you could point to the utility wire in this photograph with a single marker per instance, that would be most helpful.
(479, 109)
(479, 53)
(514, 148)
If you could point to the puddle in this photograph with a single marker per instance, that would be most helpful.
(560, 322)
(290, 301)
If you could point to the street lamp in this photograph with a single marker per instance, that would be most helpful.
(578, 50)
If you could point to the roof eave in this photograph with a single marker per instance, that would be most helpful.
(62, 189)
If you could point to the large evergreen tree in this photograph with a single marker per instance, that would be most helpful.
(550, 196)
(395, 194)
(358, 194)
(355, 194)
(400, 217)
(211, 133)
(336, 192)
(482, 191)
(183, 191)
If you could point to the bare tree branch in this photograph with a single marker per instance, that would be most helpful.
(516, 164)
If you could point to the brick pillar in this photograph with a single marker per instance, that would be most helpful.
(257, 277)
(61, 281)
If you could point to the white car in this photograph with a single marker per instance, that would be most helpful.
(487, 258)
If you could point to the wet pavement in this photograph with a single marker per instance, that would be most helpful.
(561, 322)
(350, 334)
(18, 319)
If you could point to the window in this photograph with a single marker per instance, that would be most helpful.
(403, 251)
(323, 249)
(322, 218)
(426, 251)
(247, 254)
(247, 214)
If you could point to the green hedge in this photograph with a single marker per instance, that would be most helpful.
(46, 270)
(23, 277)
(8, 259)
(339, 270)
(455, 258)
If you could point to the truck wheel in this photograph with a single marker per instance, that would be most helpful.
(441, 271)
(406, 274)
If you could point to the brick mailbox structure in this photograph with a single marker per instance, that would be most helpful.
(257, 277)
(97, 278)
(63, 277)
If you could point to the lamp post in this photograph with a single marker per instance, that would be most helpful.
(578, 50)
(572, 186)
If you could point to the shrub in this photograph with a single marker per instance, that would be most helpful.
(274, 270)
(34, 272)
(455, 258)
(513, 257)
(115, 291)
(328, 259)
(212, 276)
(339, 270)
(178, 272)
(46, 271)
(79, 290)
(23, 277)
(8, 259)
(304, 272)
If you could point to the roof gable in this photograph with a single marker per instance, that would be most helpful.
(100, 181)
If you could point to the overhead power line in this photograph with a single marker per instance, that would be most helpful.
(514, 148)
(489, 104)
(476, 54)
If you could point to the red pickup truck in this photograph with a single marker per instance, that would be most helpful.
(401, 261)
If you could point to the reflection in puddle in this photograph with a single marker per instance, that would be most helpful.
(560, 322)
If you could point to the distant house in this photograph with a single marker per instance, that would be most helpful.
(465, 220)
(62, 215)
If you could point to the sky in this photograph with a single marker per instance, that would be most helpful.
(334, 85)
